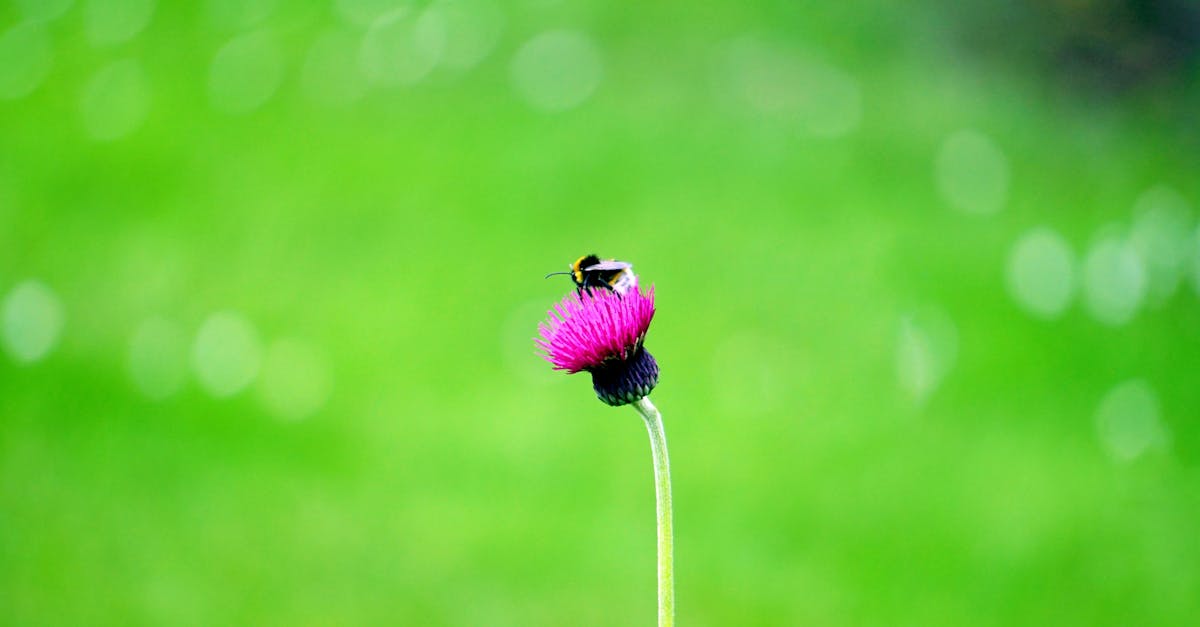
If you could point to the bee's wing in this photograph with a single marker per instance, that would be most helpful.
(611, 264)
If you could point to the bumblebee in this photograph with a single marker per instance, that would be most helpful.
(589, 271)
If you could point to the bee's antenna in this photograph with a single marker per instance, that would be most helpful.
(554, 273)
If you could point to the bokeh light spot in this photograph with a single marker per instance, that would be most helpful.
(1114, 278)
(25, 58)
(835, 103)
(158, 358)
(1196, 262)
(108, 22)
(226, 354)
(239, 14)
(331, 74)
(363, 13)
(472, 29)
(43, 10)
(1128, 421)
(557, 70)
(115, 101)
(295, 381)
(33, 321)
(793, 88)
(401, 49)
(1162, 236)
(926, 349)
(1041, 273)
(972, 173)
(245, 73)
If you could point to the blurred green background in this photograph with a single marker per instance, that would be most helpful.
(926, 277)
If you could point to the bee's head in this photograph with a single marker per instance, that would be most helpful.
(576, 268)
(585, 261)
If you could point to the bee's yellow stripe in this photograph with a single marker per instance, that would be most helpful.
(577, 269)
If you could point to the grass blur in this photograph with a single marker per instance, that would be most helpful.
(873, 418)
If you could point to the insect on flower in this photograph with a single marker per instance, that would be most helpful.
(590, 271)
(602, 332)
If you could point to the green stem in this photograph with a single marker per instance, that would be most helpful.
(662, 492)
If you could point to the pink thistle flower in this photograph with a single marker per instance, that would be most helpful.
(602, 332)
